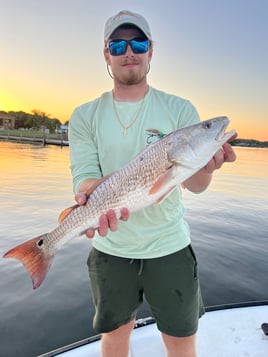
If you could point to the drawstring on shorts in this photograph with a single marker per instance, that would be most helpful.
(140, 264)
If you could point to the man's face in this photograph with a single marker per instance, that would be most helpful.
(129, 68)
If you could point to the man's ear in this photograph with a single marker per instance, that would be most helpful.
(106, 56)
(150, 54)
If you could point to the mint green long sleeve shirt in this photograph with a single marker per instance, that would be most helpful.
(98, 147)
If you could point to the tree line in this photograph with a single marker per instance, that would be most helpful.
(34, 121)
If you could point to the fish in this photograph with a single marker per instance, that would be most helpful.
(146, 179)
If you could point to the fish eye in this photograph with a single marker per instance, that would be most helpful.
(207, 125)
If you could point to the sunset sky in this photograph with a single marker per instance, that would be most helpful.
(214, 53)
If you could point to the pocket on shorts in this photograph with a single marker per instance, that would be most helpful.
(194, 261)
(95, 260)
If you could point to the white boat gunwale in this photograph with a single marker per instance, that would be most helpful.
(150, 320)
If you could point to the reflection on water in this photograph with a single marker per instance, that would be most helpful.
(247, 177)
(229, 232)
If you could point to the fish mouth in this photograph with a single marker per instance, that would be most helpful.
(224, 137)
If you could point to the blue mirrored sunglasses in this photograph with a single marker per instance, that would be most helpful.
(119, 47)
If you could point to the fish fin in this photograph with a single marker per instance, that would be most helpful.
(66, 213)
(68, 210)
(160, 199)
(162, 181)
(36, 261)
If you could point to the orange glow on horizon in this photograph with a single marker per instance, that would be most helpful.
(246, 129)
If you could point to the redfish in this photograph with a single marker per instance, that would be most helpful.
(147, 179)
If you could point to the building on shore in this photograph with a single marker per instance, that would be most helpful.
(7, 121)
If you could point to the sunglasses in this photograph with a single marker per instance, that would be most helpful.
(119, 47)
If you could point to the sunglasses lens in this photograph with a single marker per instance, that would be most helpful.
(117, 48)
(139, 46)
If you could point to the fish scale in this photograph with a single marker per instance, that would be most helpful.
(147, 179)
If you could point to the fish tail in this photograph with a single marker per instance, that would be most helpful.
(36, 260)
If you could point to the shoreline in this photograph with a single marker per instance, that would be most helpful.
(37, 140)
(45, 140)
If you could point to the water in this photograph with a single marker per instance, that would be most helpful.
(229, 224)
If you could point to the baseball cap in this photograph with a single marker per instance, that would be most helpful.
(126, 17)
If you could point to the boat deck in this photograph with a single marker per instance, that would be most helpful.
(224, 331)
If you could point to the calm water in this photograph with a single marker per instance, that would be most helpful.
(229, 224)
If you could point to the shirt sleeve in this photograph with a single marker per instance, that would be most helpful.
(83, 148)
(188, 115)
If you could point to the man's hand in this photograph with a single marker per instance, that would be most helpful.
(225, 154)
(107, 221)
(201, 179)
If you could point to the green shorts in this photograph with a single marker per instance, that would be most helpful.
(170, 285)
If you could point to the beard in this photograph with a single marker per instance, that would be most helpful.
(131, 76)
(132, 79)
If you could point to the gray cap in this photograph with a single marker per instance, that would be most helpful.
(126, 17)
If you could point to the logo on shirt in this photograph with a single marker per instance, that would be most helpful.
(153, 135)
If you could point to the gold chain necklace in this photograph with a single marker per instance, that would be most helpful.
(125, 128)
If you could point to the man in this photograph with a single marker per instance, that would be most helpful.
(149, 254)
